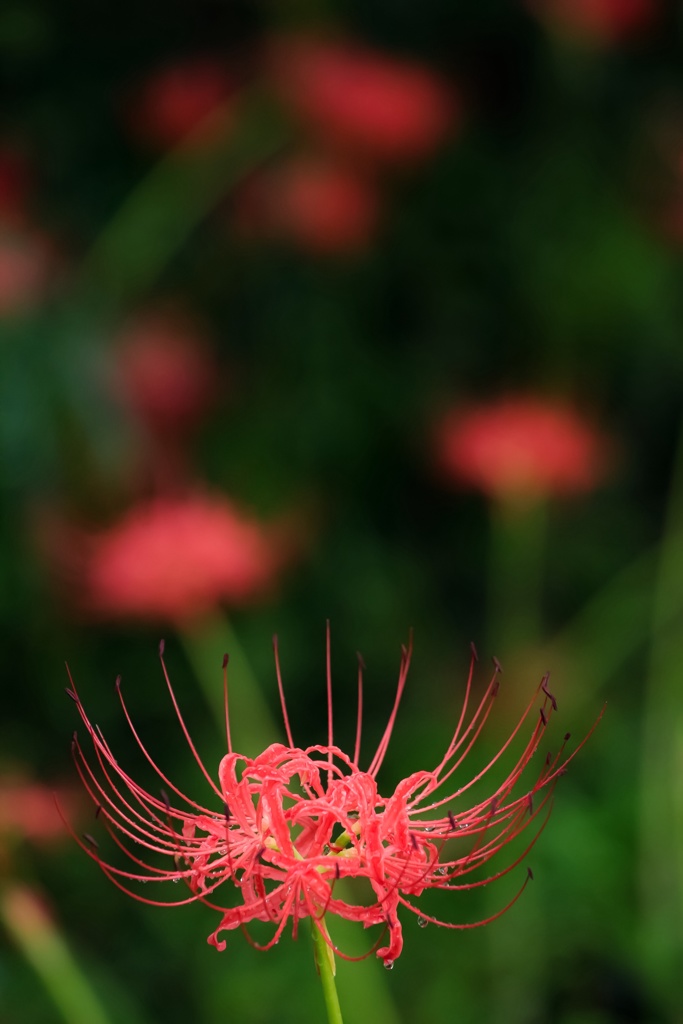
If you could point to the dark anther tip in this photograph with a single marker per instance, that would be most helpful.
(544, 717)
(117, 683)
(567, 736)
(226, 659)
(452, 821)
(72, 694)
(98, 810)
(162, 648)
(337, 872)
(495, 687)
(165, 799)
(226, 811)
(361, 660)
(529, 874)
(89, 839)
(473, 649)
(496, 664)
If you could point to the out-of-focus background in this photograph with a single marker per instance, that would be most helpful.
(361, 311)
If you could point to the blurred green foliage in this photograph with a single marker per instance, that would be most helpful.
(537, 250)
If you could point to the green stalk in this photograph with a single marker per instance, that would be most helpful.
(661, 809)
(324, 961)
(156, 218)
(516, 561)
(37, 936)
(514, 616)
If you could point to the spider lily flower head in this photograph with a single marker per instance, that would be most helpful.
(321, 204)
(597, 22)
(281, 830)
(164, 372)
(176, 100)
(520, 448)
(176, 558)
(361, 101)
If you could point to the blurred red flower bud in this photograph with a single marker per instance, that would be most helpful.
(597, 21)
(164, 371)
(520, 448)
(364, 101)
(320, 204)
(27, 264)
(173, 559)
(174, 101)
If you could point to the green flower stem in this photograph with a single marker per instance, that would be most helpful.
(516, 558)
(661, 808)
(38, 937)
(515, 603)
(158, 216)
(205, 642)
(324, 961)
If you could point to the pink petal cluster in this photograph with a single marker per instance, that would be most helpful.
(175, 558)
(164, 371)
(321, 204)
(363, 101)
(600, 22)
(283, 828)
(28, 811)
(520, 448)
(175, 100)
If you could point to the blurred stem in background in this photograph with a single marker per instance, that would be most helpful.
(158, 216)
(514, 616)
(38, 937)
(516, 561)
(661, 794)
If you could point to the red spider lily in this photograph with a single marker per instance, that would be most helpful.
(598, 22)
(323, 205)
(363, 101)
(164, 371)
(521, 447)
(288, 825)
(175, 558)
(175, 100)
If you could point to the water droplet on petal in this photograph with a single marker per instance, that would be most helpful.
(422, 922)
(389, 964)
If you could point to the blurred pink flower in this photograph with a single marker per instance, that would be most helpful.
(15, 182)
(323, 205)
(175, 558)
(28, 810)
(363, 101)
(597, 21)
(520, 448)
(164, 371)
(27, 265)
(284, 827)
(174, 100)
